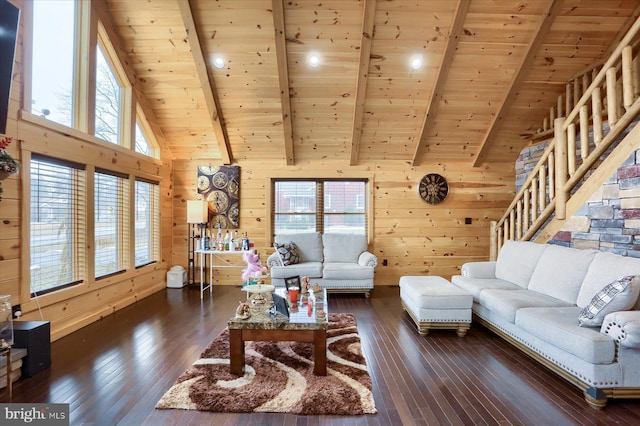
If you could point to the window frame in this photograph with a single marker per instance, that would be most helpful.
(153, 218)
(89, 32)
(321, 215)
(147, 132)
(122, 222)
(120, 130)
(77, 191)
(27, 10)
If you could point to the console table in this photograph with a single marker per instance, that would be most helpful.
(216, 260)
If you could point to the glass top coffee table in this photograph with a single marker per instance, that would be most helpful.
(305, 324)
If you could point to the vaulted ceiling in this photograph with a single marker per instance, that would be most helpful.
(492, 69)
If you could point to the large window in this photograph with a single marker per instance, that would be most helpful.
(319, 205)
(147, 236)
(52, 70)
(57, 224)
(75, 239)
(108, 94)
(111, 230)
(69, 87)
(142, 145)
(144, 139)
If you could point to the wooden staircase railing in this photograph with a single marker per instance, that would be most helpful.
(611, 98)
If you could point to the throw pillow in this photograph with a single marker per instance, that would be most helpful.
(288, 253)
(619, 295)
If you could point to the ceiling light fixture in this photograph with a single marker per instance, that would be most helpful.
(416, 63)
(314, 60)
(218, 62)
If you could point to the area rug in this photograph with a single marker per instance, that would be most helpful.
(279, 377)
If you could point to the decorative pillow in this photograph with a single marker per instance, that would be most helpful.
(619, 295)
(288, 253)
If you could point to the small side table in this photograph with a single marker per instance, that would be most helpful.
(6, 352)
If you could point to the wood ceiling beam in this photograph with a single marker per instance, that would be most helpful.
(363, 74)
(283, 77)
(520, 73)
(459, 17)
(208, 86)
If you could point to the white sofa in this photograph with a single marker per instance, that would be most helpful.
(533, 296)
(338, 262)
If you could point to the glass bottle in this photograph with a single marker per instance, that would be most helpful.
(219, 242)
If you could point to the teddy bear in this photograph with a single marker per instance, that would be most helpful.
(254, 268)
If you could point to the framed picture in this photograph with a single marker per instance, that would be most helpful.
(280, 305)
(292, 282)
(220, 186)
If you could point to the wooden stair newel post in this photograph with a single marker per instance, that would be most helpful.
(561, 168)
(493, 244)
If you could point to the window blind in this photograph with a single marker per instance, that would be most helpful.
(57, 224)
(111, 209)
(147, 222)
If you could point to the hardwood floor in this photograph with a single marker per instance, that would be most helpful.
(114, 371)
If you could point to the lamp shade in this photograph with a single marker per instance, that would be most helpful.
(197, 211)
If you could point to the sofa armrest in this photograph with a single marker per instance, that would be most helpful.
(274, 260)
(624, 327)
(367, 259)
(479, 269)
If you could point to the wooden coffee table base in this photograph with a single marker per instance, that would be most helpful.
(237, 337)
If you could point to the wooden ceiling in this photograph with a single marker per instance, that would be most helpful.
(492, 69)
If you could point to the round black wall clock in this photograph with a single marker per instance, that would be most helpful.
(433, 188)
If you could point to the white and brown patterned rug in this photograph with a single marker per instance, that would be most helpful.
(279, 377)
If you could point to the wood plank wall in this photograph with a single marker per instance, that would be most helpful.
(73, 308)
(415, 237)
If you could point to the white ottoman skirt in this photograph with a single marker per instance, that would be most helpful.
(435, 303)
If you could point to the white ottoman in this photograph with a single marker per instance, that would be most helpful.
(435, 303)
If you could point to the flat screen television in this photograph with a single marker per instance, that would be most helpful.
(9, 18)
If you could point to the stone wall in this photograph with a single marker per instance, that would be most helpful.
(526, 161)
(610, 220)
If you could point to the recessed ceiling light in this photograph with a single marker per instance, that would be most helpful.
(218, 62)
(416, 63)
(314, 60)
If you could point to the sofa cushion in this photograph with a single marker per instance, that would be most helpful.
(308, 269)
(560, 272)
(479, 269)
(506, 303)
(343, 247)
(288, 253)
(619, 295)
(474, 286)
(605, 268)
(346, 271)
(558, 326)
(517, 261)
(309, 245)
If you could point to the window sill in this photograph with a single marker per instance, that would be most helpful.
(30, 118)
(70, 292)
